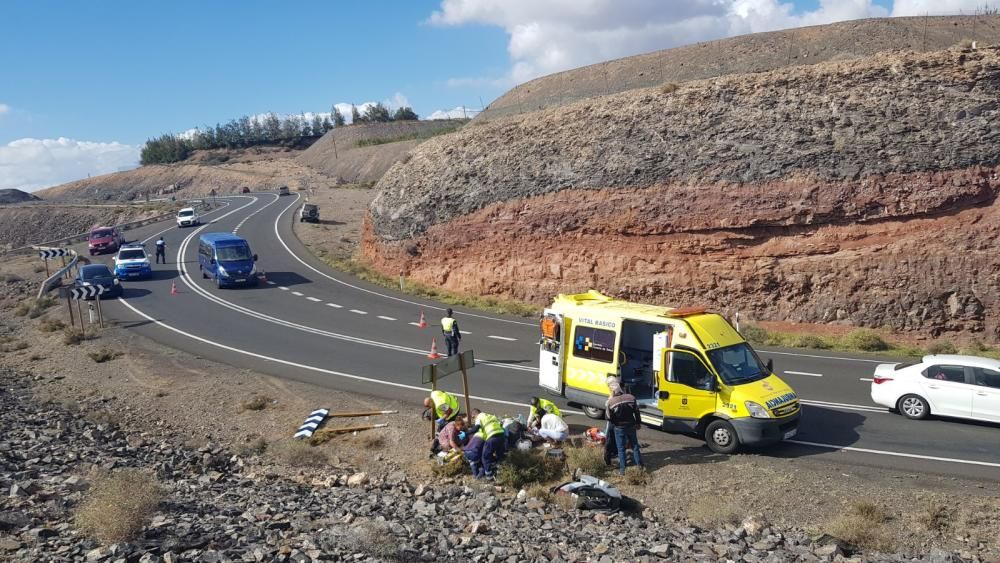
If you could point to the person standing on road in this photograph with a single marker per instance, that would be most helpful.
(623, 416)
(161, 250)
(449, 326)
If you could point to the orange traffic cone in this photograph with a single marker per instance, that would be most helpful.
(423, 321)
(263, 277)
(434, 350)
(173, 288)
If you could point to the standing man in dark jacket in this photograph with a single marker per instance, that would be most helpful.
(161, 250)
(623, 416)
(449, 326)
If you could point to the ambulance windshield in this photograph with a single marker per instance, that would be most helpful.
(738, 364)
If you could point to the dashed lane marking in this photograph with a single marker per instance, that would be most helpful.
(269, 282)
(297, 293)
(334, 305)
(804, 373)
(504, 338)
(415, 324)
(385, 318)
(314, 300)
(868, 379)
(282, 288)
(359, 312)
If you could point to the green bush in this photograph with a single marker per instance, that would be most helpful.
(589, 460)
(865, 340)
(755, 334)
(812, 341)
(941, 347)
(526, 468)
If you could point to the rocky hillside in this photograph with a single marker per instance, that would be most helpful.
(9, 196)
(804, 194)
(360, 154)
(759, 52)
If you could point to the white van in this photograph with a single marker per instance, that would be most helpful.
(187, 217)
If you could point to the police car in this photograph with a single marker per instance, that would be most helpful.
(132, 262)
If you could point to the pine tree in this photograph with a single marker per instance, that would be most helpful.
(377, 113)
(355, 115)
(317, 126)
(327, 125)
(338, 118)
(405, 113)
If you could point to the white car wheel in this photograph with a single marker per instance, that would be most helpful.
(914, 407)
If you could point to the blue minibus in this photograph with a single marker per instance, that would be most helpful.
(227, 258)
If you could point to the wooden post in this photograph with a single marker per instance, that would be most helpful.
(69, 307)
(63, 258)
(100, 314)
(46, 260)
(83, 325)
(465, 385)
(433, 409)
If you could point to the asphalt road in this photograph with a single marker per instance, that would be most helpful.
(312, 324)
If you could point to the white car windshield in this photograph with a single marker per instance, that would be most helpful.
(134, 254)
(186, 213)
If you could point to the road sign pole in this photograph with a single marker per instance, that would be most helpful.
(46, 266)
(69, 307)
(465, 386)
(100, 313)
(83, 325)
(433, 408)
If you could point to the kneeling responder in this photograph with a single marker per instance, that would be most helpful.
(539, 408)
(444, 407)
(494, 444)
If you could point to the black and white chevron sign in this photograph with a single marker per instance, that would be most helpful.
(53, 252)
(316, 418)
(87, 291)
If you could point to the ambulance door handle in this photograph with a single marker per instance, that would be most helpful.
(555, 362)
(664, 395)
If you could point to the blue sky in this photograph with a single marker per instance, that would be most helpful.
(103, 76)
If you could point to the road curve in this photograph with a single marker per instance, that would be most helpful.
(313, 324)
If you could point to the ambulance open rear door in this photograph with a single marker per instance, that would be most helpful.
(550, 369)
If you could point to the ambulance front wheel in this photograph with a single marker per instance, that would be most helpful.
(721, 437)
(593, 412)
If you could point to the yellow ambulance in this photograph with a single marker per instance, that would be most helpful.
(689, 369)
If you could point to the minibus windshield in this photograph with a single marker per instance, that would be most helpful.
(738, 364)
(238, 253)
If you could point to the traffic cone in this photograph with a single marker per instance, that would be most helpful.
(173, 288)
(434, 350)
(423, 321)
(263, 277)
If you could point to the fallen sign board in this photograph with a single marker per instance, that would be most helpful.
(448, 366)
(312, 422)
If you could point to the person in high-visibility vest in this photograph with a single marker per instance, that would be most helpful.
(449, 327)
(539, 408)
(488, 428)
(444, 407)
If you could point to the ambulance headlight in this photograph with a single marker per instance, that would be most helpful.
(756, 410)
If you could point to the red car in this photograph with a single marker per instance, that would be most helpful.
(104, 239)
(245, 190)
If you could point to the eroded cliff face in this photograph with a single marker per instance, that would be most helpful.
(861, 192)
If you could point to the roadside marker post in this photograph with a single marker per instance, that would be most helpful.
(452, 364)
(79, 293)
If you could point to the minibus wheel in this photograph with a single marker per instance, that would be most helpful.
(721, 437)
(593, 412)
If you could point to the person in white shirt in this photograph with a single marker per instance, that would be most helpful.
(553, 428)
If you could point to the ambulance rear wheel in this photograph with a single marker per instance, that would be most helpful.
(595, 413)
(721, 437)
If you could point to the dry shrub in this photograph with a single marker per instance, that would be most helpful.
(103, 355)
(15, 347)
(51, 325)
(371, 441)
(714, 511)
(941, 347)
(103, 417)
(669, 88)
(862, 526)
(453, 468)
(298, 453)
(636, 476)
(254, 446)
(589, 460)
(540, 492)
(73, 336)
(934, 517)
(118, 505)
(374, 539)
(865, 340)
(755, 334)
(10, 278)
(811, 341)
(38, 268)
(257, 403)
(36, 357)
(35, 308)
(522, 468)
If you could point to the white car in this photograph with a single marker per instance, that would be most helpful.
(944, 385)
(187, 217)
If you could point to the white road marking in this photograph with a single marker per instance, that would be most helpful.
(247, 218)
(282, 288)
(174, 226)
(269, 282)
(415, 324)
(359, 312)
(498, 401)
(352, 286)
(506, 338)
(896, 454)
(334, 305)
(804, 373)
(868, 379)
(845, 406)
(465, 332)
(297, 293)
(314, 300)
(384, 318)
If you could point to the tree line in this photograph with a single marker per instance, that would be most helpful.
(268, 130)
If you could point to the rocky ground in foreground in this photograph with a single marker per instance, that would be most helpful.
(212, 507)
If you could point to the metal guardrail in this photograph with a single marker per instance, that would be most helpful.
(50, 282)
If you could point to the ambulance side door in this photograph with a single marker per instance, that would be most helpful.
(550, 352)
(687, 388)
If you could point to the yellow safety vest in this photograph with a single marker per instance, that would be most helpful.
(489, 426)
(447, 323)
(442, 399)
(547, 406)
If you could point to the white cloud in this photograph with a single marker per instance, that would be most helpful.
(454, 113)
(547, 37)
(33, 164)
(933, 7)
(4, 108)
